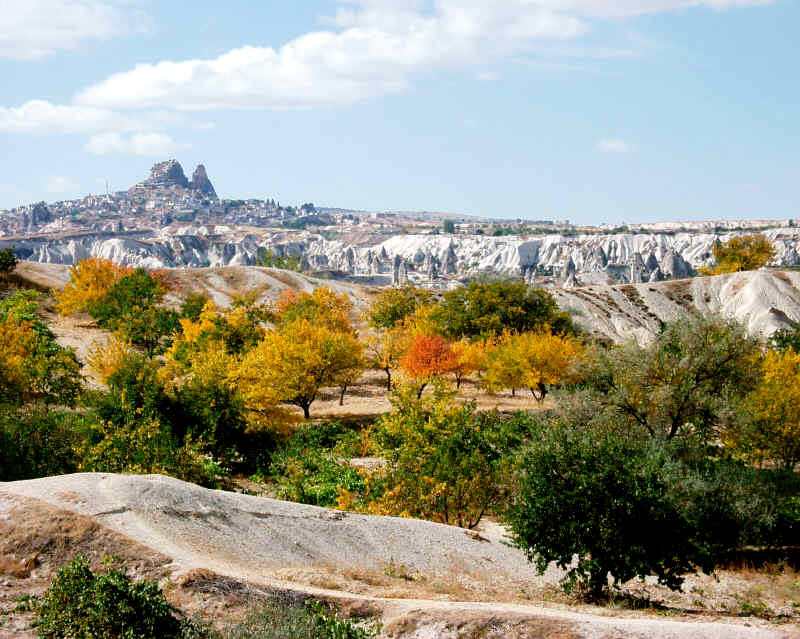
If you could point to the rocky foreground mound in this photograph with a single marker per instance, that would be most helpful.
(450, 580)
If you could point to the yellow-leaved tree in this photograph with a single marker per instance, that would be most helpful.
(89, 281)
(292, 363)
(385, 348)
(471, 358)
(106, 358)
(321, 306)
(535, 360)
(771, 428)
(741, 253)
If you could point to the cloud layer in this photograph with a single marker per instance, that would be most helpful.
(147, 144)
(372, 48)
(31, 29)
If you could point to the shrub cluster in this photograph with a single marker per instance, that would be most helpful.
(83, 604)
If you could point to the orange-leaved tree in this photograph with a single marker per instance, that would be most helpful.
(428, 357)
(90, 280)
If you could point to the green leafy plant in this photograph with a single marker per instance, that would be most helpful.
(491, 307)
(284, 619)
(8, 261)
(311, 467)
(626, 506)
(82, 604)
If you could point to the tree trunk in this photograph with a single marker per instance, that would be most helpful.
(341, 395)
(542, 393)
(419, 392)
(306, 406)
(388, 372)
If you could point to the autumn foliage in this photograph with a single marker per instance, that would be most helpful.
(772, 429)
(741, 253)
(90, 280)
(535, 361)
(294, 363)
(428, 357)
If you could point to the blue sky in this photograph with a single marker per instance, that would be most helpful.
(592, 110)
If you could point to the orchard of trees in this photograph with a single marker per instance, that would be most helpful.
(645, 460)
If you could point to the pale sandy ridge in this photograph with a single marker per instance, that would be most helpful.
(265, 542)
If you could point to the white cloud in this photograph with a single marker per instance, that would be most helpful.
(147, 144)
(376, 48)
(60, 184)
(32, 29)
(40, 116)
(629, 8)
(614, 145)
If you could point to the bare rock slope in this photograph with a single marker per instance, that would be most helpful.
(277, 544)
(764, 300)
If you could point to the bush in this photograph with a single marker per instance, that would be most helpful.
(36, 442)
(626, 507)
(81, 604)
(277, 619)
(148, 447)
(8, 261)
(311, 467)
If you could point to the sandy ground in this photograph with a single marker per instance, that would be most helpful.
(368, 398)
(424, 579)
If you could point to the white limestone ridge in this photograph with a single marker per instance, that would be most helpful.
(582, 260)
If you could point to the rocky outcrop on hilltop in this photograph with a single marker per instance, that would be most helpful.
(165, 175)
(201, 183)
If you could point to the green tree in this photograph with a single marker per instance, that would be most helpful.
(393, 305)
(445, 462)
(193, 305)
(687, 381)
(625, 507)
(489, 308)
(8, 261)
(131, 306)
